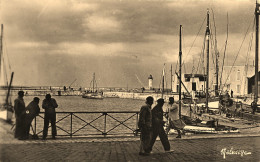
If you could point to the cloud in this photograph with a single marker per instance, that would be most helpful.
(102, 24)
(27, 44)
(89, 49)
(126, 37)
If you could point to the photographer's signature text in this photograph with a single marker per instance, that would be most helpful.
(232, 151)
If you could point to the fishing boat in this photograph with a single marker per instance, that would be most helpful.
(6, 108)
(192, 118)
(93, 92)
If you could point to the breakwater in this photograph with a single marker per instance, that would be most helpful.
(113, 94)
(139, 96)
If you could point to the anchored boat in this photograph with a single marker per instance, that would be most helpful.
(93, 92)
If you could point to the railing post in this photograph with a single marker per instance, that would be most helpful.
(105, 124)
(136, 126)
(71, 125)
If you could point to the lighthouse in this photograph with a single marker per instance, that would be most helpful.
(150, 82)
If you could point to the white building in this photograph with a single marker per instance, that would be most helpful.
(235, 79)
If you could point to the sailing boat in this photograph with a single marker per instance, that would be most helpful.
(195, 125)
(6, 108)
(93, 92)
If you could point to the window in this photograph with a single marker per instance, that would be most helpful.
(238, 89)
(194, 86)
(238, 75)
(187, 79)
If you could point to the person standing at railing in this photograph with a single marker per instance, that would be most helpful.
(145, 125)
(19, 108)
(49, 105)
(31, 111)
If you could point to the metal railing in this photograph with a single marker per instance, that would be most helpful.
(91, 123)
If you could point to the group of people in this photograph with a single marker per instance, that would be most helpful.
(151, 123)
(25, 114)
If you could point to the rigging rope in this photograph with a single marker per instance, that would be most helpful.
(237, 54)
(7, 56)
(202, 56)
(6, 62)
(5, 72)
(212, 54)
(222, 68)
(194, 39)
(247, 56)
(213, 15)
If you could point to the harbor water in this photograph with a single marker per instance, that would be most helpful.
(77, 103)
(91, 123)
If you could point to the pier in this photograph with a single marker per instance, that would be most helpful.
(120, 149)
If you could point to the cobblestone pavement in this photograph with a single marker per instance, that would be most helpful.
(114, 149)
(229, 147)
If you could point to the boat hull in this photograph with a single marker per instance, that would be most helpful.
(93, 96)
(6, 113)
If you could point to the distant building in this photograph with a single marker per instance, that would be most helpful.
(240, 79)
(234, 78)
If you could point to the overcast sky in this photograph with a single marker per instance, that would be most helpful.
(55, 42)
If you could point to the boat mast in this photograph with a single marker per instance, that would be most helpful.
(256, 51)
(163, 79)
(1, 50)
(93, 82)
(217, 69)
(217, 56)
(180, 62)
(9, 88)
(207, 81)
(171, 78)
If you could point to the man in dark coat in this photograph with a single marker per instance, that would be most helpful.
(31, 111)
(158, 123)
(19, 108)
(49, 105)
(145, 125)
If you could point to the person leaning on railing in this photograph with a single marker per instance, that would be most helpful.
(31, 111)
(49, 105)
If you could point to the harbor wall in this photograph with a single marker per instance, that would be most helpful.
(128, 95)
(140, 96)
